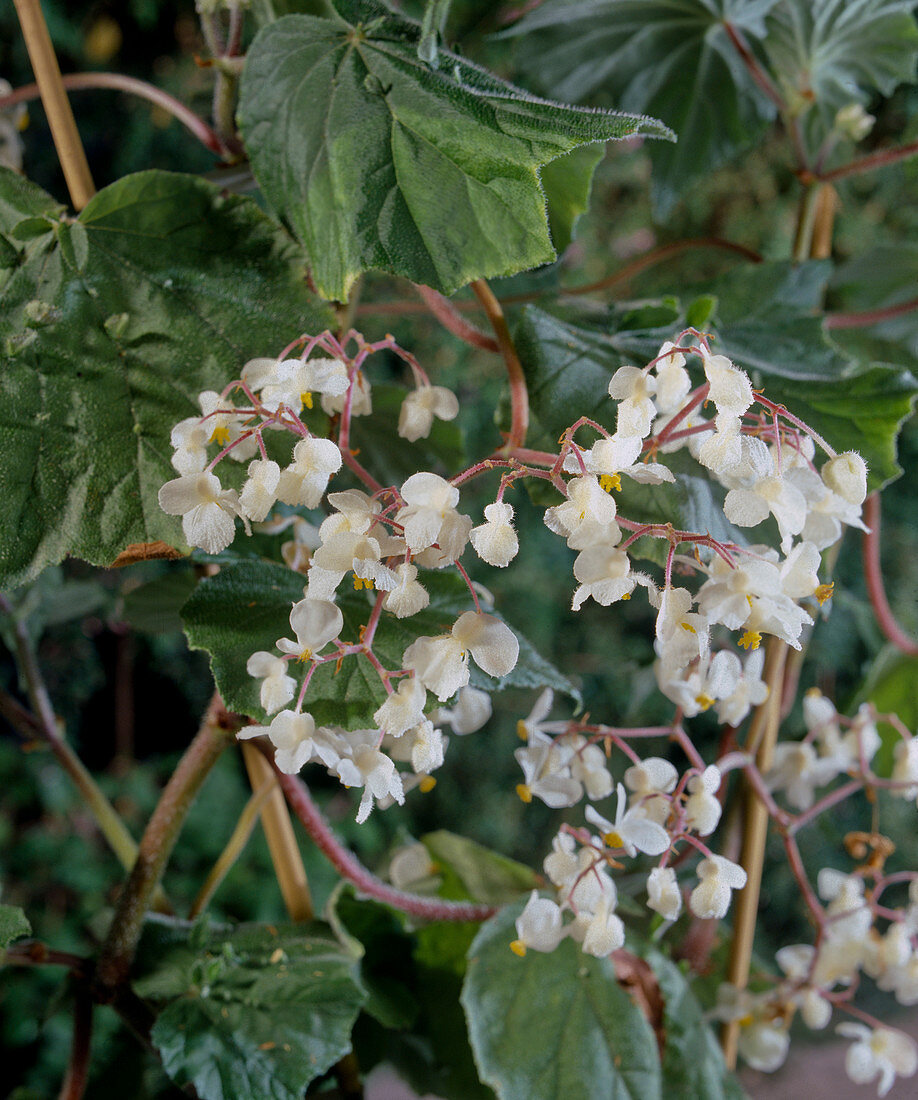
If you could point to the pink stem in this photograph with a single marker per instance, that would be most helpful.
(453, 321)
(869, 316)
(350, 868)
(875, 160)
(76, 82)
(874, 579)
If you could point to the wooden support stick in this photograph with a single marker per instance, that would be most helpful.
(70, 150)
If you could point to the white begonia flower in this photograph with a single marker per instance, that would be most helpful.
(612, 456)
(562, 864)
(587, 517)
(702, 808)
(851, 915)
(442, 664)
(663, 894)
(905, 768)
(409, 596)
(719, 877)
(648, 781)
(878, 1053)
(421, 406)
(495, 541)
(402, 709)
(633, 389)
(827, 511)
(632, 830)
(763, 1043)
(371, 769)
(423, 746)
(541, 709)
(260, 490)
(546, 772)
(296, 741)
(605, 576)
(409, 865)
(190, 438)
(589, 766)
(605, 932)
(885, 956)
(673, 382)
(361, 399)
(470, 712)
(798, 770)
(305, 480)
(208, 510)
(293, 381)
(681, 634)
(846, 750)
(853, 121)
(796, 962)
(846, 475)
(731, 390)
(750, 691)
(355, 512)
(429, 515)
(538, 926)
(315, 623)
(800, 571)
(277, 687)
(349, 550)
(775, 494)
(226, 425)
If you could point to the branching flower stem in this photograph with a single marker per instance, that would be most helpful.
(159, 838)
(874, 578)
(453, 321)
(346, 864)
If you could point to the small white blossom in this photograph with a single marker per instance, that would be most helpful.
(495, 541)
(260, 490)
(538, 926)
(208, 510)
(719, 877)
(631, 830)
(421, 406)
(702, 807)
(663, 894)
(305, 480)
(315, 623)
(277, 686)
(878, 1053)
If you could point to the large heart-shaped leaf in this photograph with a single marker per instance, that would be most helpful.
(673, 60)
(111, 325)
(376, 159)
(552, 1026)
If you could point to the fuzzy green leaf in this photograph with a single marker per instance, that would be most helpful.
(360, 147)
(672, 60)
(246, 607)
(111, 326)
(552, 1026)
(482, 874)
(257, 1012)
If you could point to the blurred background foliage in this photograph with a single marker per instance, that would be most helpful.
(129, 691)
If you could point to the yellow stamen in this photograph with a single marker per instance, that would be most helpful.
(518, 948)
(751, 639)
(610, 482)
(704, 701)
(306, 398)
(305, 656)
(626, 595)
(824, 592)
(524, 792)
(361, 583)
(688, 627)
(613, 840)
(521, 731)
(23, 121)
(427, 784)
(220, 435)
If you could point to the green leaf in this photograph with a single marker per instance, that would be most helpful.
(484, 875)
(829, 53)
(567, 182)
(693, 1064)
(552, 1026)
(672, 60)
(13, 925)
(883, 276)
(432, 27)
(155, 607)
(111, 326)
(259, 1012)
(862, 414)
(360, 147)
(246, 607)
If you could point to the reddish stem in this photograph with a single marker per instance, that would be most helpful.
(77, 82)
(350, 868)
(519, 394)
(453, 321)
(874, 578)
(869, 316)
(874, 160)
(77, 1075)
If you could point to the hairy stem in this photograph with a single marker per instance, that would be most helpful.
(873, 575)
(156, 846)
(285, 854)
(519, 394)
(453, 321)
(875, 160)
(350, 868)
(75, 82)
(761, 739)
